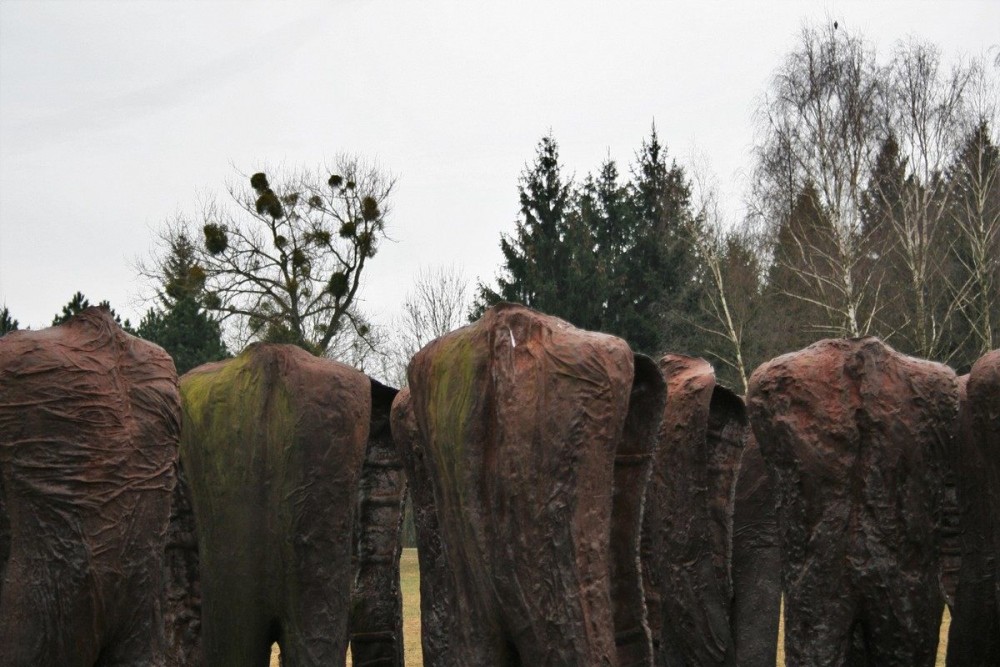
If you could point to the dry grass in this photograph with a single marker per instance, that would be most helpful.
(410, 582)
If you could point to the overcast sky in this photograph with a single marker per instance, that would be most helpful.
(115, 116)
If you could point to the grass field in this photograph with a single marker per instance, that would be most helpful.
(410, 582)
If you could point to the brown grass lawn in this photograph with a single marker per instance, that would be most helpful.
(410, 582)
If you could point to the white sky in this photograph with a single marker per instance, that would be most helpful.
(115, 116)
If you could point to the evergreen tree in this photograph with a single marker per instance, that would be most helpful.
(661, 282)
(181, 325)
(802, 268)
(78, 303)
(7, 323)
(186, 332)
(595, 239)
(609, 256)
(536, 257)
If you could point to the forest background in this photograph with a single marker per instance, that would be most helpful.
(872, 208)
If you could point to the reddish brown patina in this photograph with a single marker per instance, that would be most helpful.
(517, 428)
(89, 421)
(756, 562)
(859, 439)
(272, 448)
(376, 624)
(687, 524)
(974, 636)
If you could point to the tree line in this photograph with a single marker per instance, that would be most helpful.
(874, 209)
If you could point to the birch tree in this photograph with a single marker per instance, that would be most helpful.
(819, 124)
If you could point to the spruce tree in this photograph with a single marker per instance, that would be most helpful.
(536, 256)
(78, 303)
(803, 264)
(661, 285)
(607, 255)
(7, 323)
(181, 325)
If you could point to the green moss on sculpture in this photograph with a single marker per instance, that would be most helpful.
(453, 401)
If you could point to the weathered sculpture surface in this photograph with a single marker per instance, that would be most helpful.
(89, 422)
(438, 606)
(272, 449)
(687, 523)
(514, 433)
(974, 635)
(859, 439)
(756, 562)
(376, 624)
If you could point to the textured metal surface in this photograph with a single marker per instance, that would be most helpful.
(376, 624)
(89, 421)
(518, 420)
(272, 447)
(756, 562)
(859, 440)
(687, 524)
(974, 636)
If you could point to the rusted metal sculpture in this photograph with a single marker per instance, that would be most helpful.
(89, 422)
(858, 439)
(974, 635)
(756, 562)
(518, 421)
(182, 608)
(272, 448)
(687, 523)
(376, 624)
(438, 602)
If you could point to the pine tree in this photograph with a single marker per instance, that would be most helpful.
(609, 256)
(535, 257)
(186, 332)
(882, 204)
(661, 287)
(78, 303)
(804, 261)
(181, 325)
(7, 323)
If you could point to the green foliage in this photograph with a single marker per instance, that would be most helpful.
(338, 284)
(804, 243)
(180, 323)
(216, 239)
(369, 209)
(605, 255)
(536, 257)
(78, 303)
(186, 332)
(7, 323)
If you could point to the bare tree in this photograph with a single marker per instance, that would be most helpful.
(436, 304)
(977, 217)
(731, 258)
(819, 123)
(285, 263)
(925, 112)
